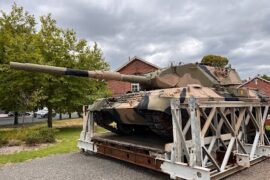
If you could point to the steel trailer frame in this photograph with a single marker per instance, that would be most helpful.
(220, 138)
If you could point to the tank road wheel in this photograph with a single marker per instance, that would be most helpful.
(104, 120)
(160, 123)
(125, 129)
(128, 129)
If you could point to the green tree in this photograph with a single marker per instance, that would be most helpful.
(61, 48)
(17, 43)
(51, 45)
(214, 60)
(266, 77)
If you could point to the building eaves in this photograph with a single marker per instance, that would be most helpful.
(136, 58)
(253, 80)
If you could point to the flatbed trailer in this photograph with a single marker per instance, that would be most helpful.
(219, 139)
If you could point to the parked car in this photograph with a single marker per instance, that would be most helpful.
(10, 114)
(28, 113)
(43, 113)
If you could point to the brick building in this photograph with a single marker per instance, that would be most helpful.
(258, 83)
(134, 66)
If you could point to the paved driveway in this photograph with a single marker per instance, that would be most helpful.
(77, 166)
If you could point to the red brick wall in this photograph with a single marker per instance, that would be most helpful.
(261, 85)
(135, 67)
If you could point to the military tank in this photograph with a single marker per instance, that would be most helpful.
(149, 110)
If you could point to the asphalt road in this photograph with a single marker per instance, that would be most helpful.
(85, 167)
(27, 119)
(30, 119)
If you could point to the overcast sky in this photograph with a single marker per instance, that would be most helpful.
(163, 31)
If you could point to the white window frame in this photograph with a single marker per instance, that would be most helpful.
(135, 87)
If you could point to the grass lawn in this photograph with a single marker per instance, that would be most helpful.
(68, 132)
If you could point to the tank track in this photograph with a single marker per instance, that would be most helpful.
(106, 126)
(118, 128)
(160, 123)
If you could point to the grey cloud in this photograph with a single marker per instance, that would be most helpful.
(164, 31)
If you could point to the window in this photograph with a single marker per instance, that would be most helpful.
(135, 87)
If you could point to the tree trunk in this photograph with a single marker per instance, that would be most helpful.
(49, 117)
(69, 114)
(79, 115)
(16, 118)
(23, 119)
(60, 116)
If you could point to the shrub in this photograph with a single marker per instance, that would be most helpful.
(18, 133)
(32, 138)
(47, 135)
(14, 142)
(3, 141)
(43, 135)
(214, 60)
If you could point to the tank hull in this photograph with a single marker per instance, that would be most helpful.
(152, 109)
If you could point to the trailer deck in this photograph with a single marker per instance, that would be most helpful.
(139, 150)
(151, 143)
(219, 139)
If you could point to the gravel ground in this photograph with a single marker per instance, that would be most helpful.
(78, 166)
(258, 171)
(16, 149)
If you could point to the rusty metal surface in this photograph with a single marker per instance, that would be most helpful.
(135, 156)
(144, 142)
(139, 150)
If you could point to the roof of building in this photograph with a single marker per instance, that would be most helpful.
(256, 77)
(137, 58)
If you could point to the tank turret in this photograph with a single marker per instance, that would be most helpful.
(171, 77)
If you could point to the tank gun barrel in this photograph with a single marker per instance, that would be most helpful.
(107, 75)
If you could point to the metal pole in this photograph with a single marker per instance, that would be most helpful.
(196, 133)
(227, 154)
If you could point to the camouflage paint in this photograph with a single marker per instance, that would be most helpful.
(144, 108)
